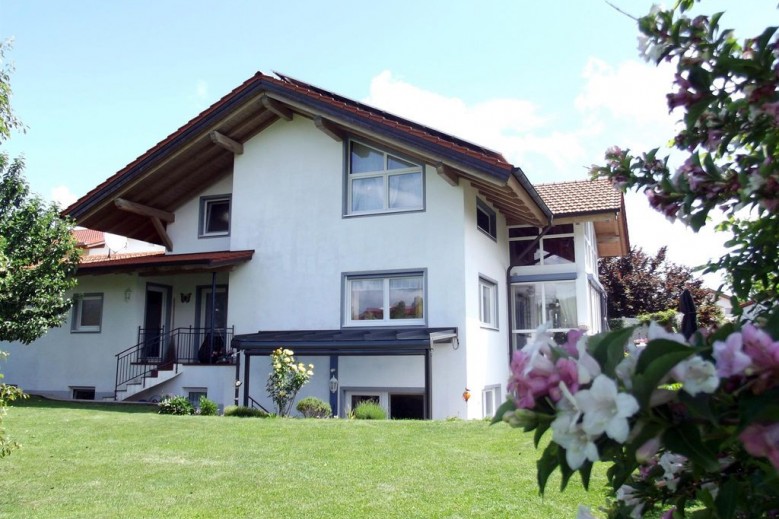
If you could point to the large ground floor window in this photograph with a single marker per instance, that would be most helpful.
(545, 302)
(399, 405)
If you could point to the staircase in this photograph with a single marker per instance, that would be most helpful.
(160, 356)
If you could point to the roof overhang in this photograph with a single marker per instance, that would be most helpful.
(202, 151)
(156, 264)
(357, 342)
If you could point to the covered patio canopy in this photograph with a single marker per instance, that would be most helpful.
(352, 342)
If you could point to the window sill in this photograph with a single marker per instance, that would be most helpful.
(489, 327)
(85, 331)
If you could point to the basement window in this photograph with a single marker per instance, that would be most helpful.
(83, 393)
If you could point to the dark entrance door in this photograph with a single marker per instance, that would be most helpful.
(153, 323)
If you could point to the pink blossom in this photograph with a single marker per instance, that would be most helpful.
(763, 351)
(730, 357)
(567, 373)
(762, 441)
(669, 514)
(531, 377)
(572, 338)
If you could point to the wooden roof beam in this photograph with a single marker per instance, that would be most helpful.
(163, 234)
(446, 173)
(276, 107)
(144, 210)
(328, 128)
(223, 141)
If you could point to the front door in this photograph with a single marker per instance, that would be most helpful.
(212, 305)
(154, 321)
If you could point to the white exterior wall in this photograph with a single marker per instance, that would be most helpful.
(486, 348)
(290, 210)
(184, 231)
(60, 360)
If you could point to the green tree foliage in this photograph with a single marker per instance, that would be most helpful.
(38, 254)
(642, 284)
(728, 94)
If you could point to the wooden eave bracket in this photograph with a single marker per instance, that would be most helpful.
(514, 185)
(223, 141)
(157, 216)
(328, 128)
(276, 107)
(446, 173)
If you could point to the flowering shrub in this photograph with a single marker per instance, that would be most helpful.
(179, 405)
(286, 379)
(680, 423)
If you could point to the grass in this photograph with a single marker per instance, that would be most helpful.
(92, 460)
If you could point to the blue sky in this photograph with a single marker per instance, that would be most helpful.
(549, 84)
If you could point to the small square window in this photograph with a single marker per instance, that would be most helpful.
(87, 313)
(215, 216)
(488, 303)
(193, 395)
(393, 299)
(485, 219)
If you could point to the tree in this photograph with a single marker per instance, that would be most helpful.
(728, 92)
(38, 254)
(642, 284)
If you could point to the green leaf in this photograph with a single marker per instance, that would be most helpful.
(696, 110)
(609, 349)
(585, 472)
(505, 407)
(657, 359)
(546, 465)
(685, 439)
(699, 406)
(566, 471)
(727, 499)
(543, 426)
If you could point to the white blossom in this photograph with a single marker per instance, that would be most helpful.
(658, 332)
(587, 367)
(696, 375)
(672, 464)
(605, 409)
(584, 512)
(567, 433)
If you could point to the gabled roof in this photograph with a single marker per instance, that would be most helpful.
(154, 262)
(194, 156)
(594, 200)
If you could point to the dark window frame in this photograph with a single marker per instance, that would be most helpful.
(205, 201)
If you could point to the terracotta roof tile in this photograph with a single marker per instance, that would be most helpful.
(115, 258)
(88, 237)
(580, 197)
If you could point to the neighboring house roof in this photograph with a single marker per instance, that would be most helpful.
(154, 262)
(197, 155)
(596, 200)
(89, 238)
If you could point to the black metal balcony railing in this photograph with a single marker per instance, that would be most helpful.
(158, 349)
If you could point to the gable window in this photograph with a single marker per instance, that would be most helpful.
(485, 219)
(555, 248)
(87, 313)
(214, 216)
(385, 299)
(380, 182)
(488, 303)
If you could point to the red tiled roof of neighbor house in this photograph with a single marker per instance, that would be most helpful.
(580, 197)
(114, 258)
(88, 237)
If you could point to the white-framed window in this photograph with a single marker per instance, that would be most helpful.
(490, 400)
(556, 247)
(87, 313)
(381, 182)
(488, 303)
(214, 216)
(534, 304)
(385, 299)
(590, 248)
(486, 219)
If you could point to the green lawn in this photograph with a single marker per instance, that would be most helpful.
(80, 460)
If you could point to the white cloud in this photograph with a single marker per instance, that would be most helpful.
(62, 196)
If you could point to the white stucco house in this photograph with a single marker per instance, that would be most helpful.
(404, 263)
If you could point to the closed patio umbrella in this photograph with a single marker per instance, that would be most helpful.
(687, 308)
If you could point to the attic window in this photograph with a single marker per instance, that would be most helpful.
(214, 216)
(485, 219)
(381, 182)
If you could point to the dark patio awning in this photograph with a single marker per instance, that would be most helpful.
(362, 341)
